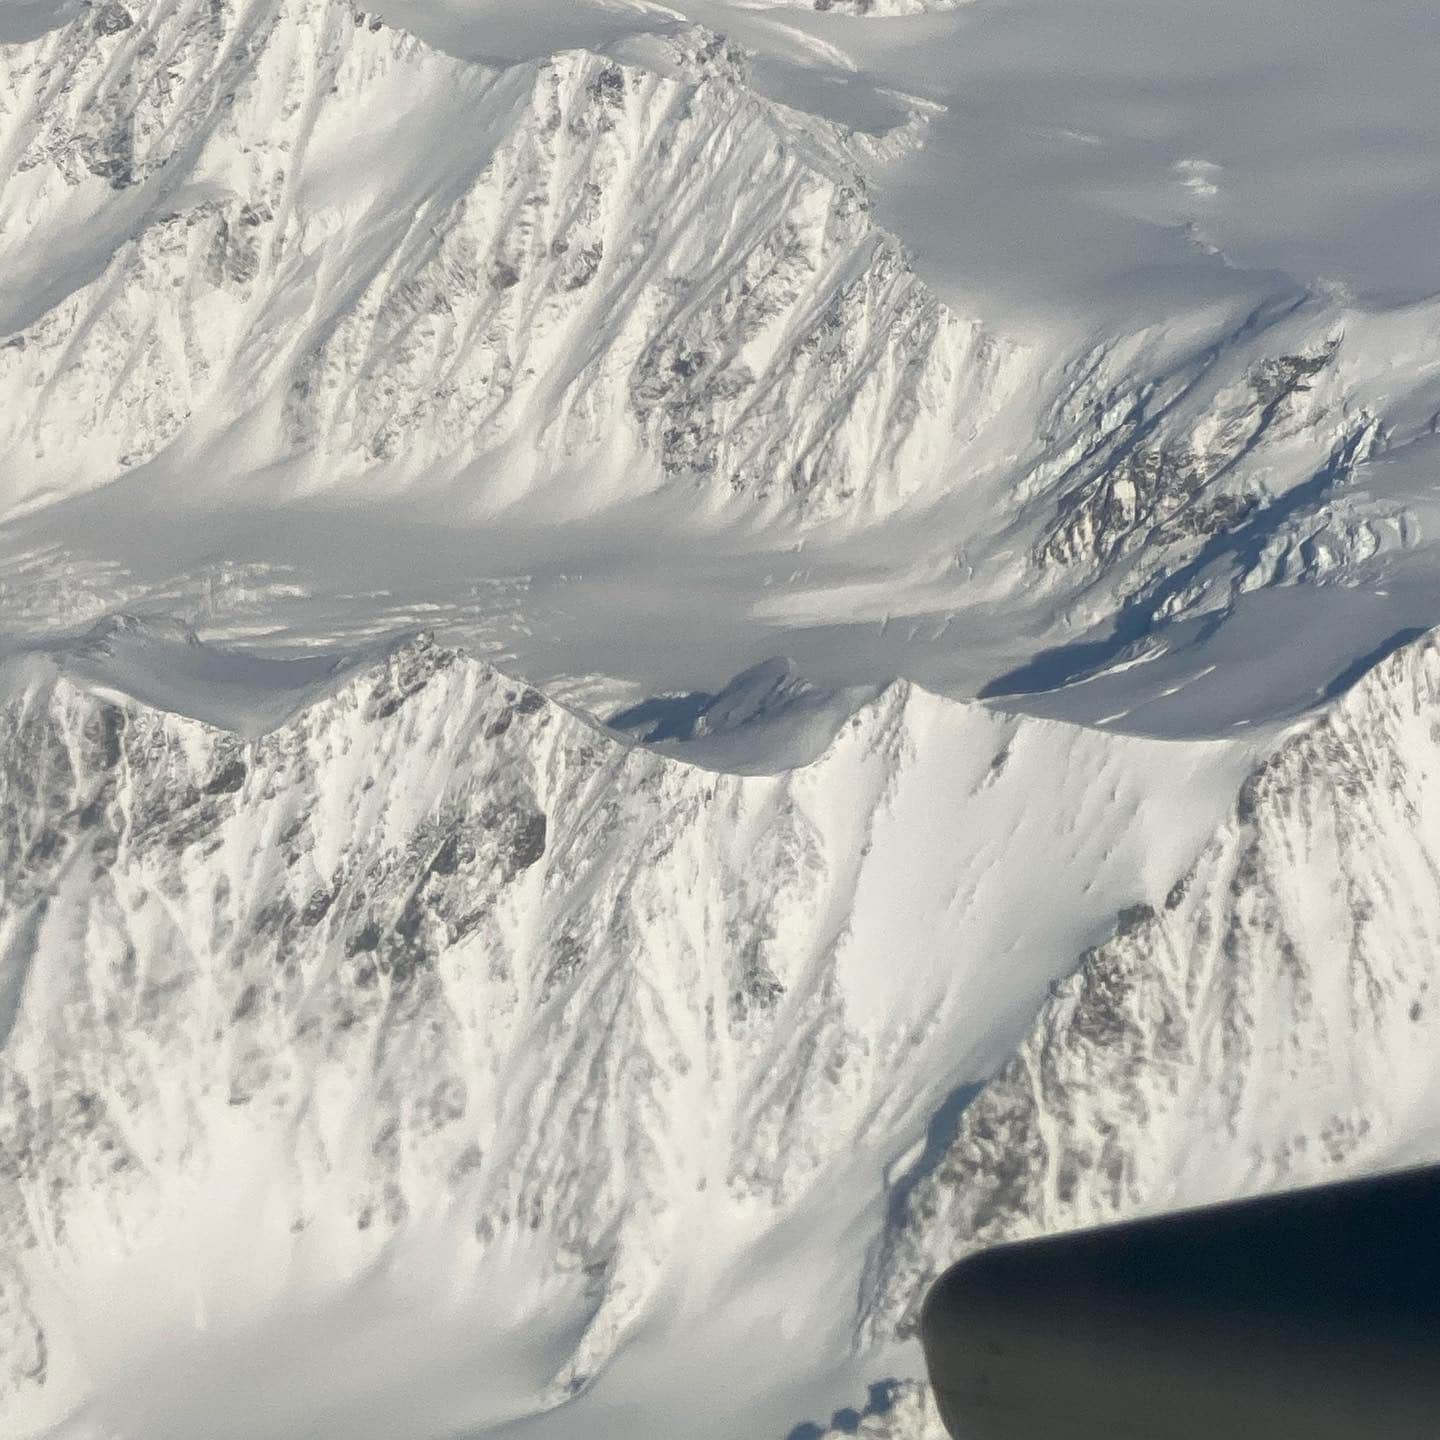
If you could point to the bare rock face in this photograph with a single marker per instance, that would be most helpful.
(1159, 482)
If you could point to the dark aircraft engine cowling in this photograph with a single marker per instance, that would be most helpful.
(1313, 1315)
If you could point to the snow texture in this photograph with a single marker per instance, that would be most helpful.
(487, 942)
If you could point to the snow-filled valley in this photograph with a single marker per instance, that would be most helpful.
(661, 664)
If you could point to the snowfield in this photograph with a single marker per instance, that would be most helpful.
(663, 663)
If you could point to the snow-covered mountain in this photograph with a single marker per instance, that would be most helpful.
(283, 255)
(445, 960)
(435, 998)
(601, 267)
(433, 972)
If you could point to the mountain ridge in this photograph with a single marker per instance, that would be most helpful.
(428, 817)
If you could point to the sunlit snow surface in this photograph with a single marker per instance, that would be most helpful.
(1076, 362)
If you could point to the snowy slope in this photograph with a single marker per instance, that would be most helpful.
(593, 244)
(438, 979)
(1271, 1023)
(445, 969)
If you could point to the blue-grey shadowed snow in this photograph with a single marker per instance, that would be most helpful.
(1142, 618)
(24, 20)
(768, 718)
(880, 1401)
(1315, 1313)
(759, 693)
(1273, 656)
(161, 662)
(502, 31)
(664, 717)
(1359, 668)
(1090, 161)
(939, 1137)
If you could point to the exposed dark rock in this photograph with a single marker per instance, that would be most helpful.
(112, 19)
(758, 987)
(584, 266)
(608, 87)
(229, 779)
(409, 671)
(566, 962)
(247, 1003)
(528, 842)
(366, 941)
(106, 730)
(1133, 918)
(317, 907)
(447, 857)
(1284, 375)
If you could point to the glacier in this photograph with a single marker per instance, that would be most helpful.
(663, 663)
